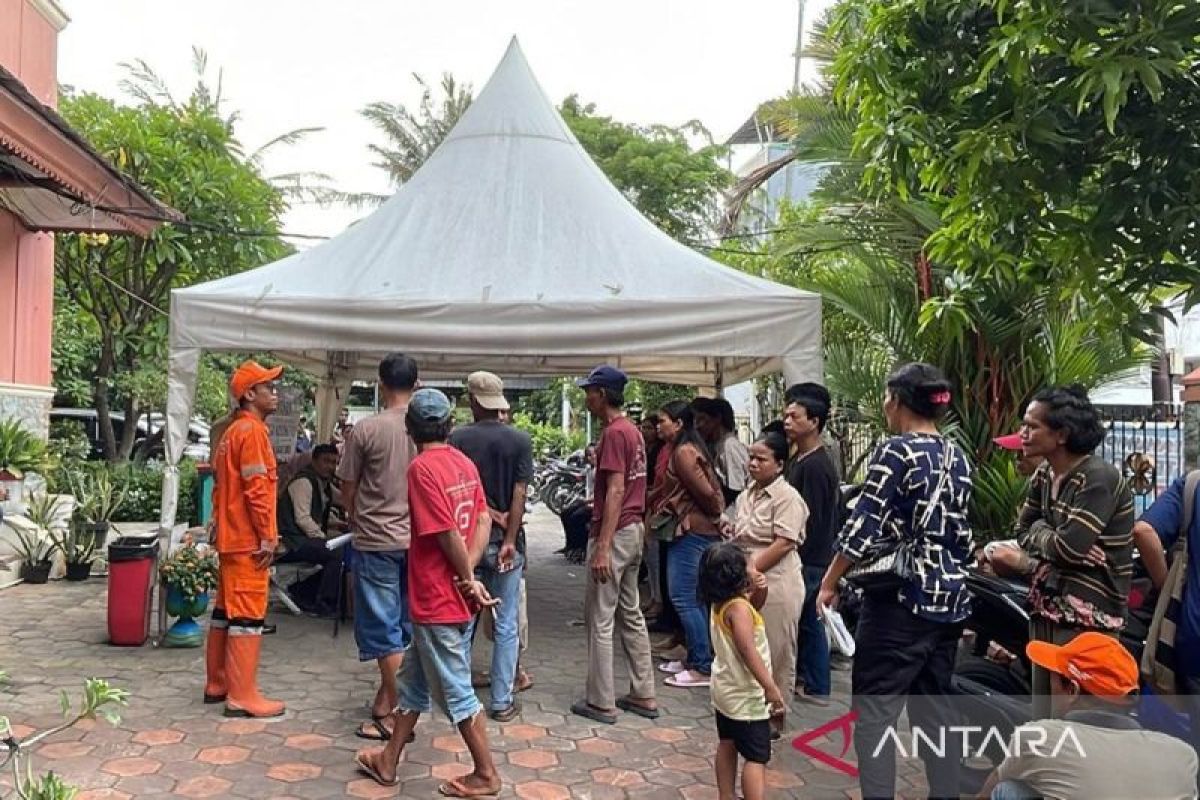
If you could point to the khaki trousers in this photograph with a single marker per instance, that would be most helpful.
(781, 617)
(614, 608)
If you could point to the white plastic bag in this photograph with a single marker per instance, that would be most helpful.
(839, 635)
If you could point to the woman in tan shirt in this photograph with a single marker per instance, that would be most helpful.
(769, 526)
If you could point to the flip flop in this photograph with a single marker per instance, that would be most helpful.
(373, 772)
(452, 788)
(626, 704)
(596, 715)
(523, 686)
(381, 733)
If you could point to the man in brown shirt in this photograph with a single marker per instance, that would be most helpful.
(612, 604)
(374, 475)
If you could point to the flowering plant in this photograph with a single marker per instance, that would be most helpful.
(190, 570)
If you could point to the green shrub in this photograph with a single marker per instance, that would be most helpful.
(143, 482)
(68, 440)
(549, 439)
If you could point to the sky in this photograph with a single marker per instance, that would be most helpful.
(302, 63)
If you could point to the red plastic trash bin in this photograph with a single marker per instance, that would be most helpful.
(131, 574)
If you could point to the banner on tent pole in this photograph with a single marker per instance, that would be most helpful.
(284, 424)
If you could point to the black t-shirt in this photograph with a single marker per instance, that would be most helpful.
(816, 479)
(504, 457)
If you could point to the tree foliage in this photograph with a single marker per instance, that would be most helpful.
(117, 288)
(676, 187)
(1057, 140)
(999, 334)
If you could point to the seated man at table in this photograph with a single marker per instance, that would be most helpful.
(305, 522)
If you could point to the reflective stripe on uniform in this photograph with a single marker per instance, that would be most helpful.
(250, 470)
(245, 630)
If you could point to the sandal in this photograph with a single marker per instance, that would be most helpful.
(689, 679)
(373, 771)
(672, 667)
(585, 709)
(454, 788)
(524, 682)
(380, 733)
(627, 704)
(506, 714)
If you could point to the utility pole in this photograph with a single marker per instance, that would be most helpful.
(566, 410)
(799, 48)
(798, 57)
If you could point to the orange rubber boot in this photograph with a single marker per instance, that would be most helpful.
(241, 669)
(214, 665)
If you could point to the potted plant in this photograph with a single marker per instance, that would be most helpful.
(190, 574)
(98, 498)
(20, 452)
(78, 546)
(34, 540)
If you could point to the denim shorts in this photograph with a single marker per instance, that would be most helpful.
(438, 667)
(381, 622)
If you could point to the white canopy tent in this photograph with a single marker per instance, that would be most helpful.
(508, 250)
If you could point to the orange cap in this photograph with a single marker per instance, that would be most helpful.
(249, 375)
(1098, 663)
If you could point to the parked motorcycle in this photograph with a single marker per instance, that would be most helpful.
(564, 488)
(995, 695)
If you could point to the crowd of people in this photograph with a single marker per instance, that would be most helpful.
(745, 549)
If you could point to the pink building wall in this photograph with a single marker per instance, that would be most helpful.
(28, 49)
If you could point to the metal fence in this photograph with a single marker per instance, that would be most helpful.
(1146, 444)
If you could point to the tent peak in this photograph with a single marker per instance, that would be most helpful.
(511, 104)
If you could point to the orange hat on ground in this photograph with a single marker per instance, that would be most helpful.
(1098, 663)
(249, 375)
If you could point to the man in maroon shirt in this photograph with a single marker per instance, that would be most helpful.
(614, 555)
(450, 529)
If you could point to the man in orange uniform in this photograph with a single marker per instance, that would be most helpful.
(246, 535)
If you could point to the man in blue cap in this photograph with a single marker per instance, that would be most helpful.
(614, 555)
(450, 530)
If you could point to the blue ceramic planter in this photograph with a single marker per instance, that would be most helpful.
(185, 632)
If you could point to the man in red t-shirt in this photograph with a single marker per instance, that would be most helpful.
(450, 530)
(614, 555)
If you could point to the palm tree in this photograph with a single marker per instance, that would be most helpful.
(411, 135)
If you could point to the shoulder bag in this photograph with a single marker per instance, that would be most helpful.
(893, 567)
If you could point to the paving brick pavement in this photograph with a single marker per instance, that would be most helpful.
(169, 744)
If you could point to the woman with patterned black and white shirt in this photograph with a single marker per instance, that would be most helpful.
(914, 502)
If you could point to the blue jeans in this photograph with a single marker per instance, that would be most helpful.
(813, 664)
(506, 649)
(683, 577)
(1013, 790)
(381, 621)
(438, 667)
